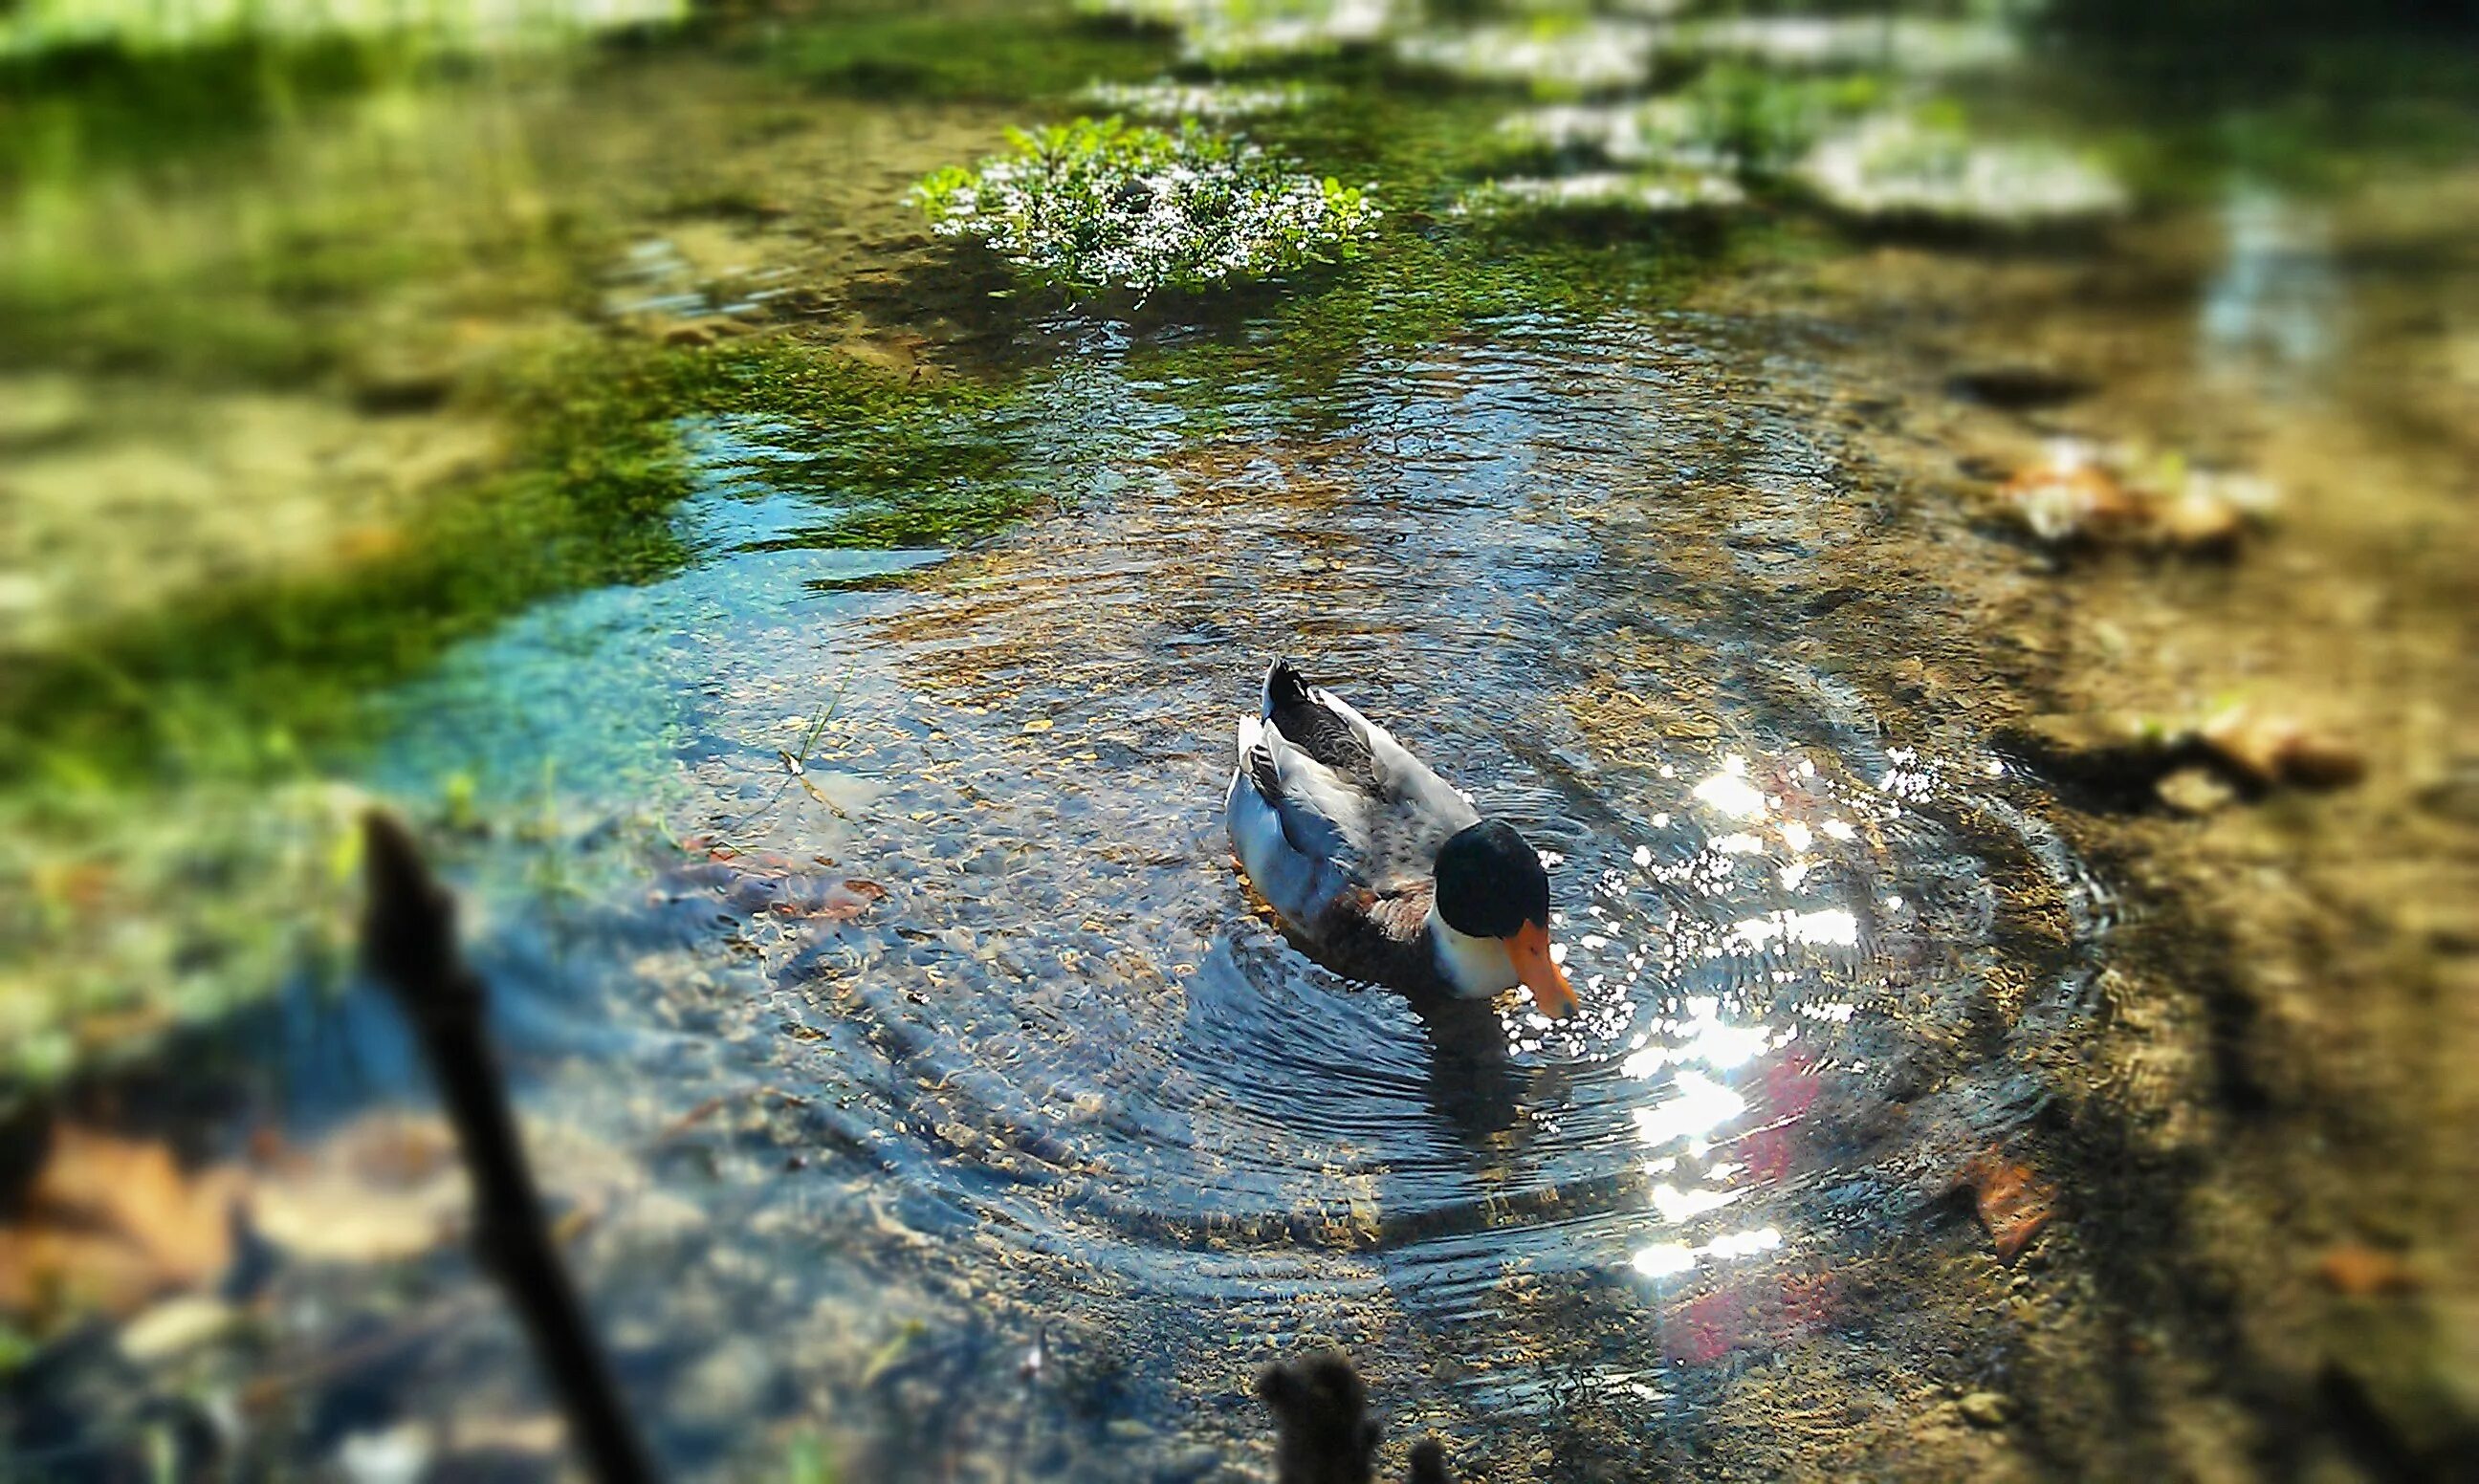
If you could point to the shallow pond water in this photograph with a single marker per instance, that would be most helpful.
(1090, 1082)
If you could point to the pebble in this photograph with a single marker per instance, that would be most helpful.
(2195, 792)
(1187, 1464)
(1985, 1409)
(176, 1326)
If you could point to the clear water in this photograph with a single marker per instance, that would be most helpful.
(1072, 1072)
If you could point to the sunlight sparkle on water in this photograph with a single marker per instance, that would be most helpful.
(1677, 1206)
(1831, 927)
(1707, 1039)
(1729, 793)
(1668, 1259)
(1701, 1106)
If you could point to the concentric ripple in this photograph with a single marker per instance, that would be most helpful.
(1098, 1076)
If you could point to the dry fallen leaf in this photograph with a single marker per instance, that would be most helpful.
(2066, 496)
(849, 899)
(2015, 1204)
(2361, 1271)
(2269, 748)
(110, 1223)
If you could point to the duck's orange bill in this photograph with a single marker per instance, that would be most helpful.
(1541, 974)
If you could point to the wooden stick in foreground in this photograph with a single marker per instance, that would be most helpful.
(409, 943)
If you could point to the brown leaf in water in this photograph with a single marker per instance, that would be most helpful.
(2015, 1204)
(2361, 1272)
(110, 1223)
(849, 899)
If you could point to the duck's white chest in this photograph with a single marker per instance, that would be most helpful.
(1475, 967)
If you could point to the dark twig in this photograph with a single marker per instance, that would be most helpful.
(1324, 1433)
(409, 943)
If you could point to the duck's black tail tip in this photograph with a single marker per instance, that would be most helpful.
(1285, 686)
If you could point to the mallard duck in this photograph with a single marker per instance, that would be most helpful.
(1379, 865)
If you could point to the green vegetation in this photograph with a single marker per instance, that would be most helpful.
(1108, 204)
(281, 213)
(1000, 52)
(261, 677)
(913, 463)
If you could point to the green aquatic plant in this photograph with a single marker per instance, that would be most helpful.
(1653, 194)
(1240, 32)
(1731, 119)
(1215, 102)
(1553, 54)
(1106, 204)
(1919, 164)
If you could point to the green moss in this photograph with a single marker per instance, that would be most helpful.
(242, 684)
(917, 463)
(261, 677)
(105, 107)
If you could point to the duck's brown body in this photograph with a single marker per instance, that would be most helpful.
(1383, 939)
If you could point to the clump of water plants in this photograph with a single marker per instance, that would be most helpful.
(1731, 120)
(1907, 166)
(1554, 55)
(1103, 204)
(1215, 102)
(1913, 46)
(1238, 33)
(1658, 192)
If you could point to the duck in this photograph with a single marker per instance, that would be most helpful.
(1378, 866)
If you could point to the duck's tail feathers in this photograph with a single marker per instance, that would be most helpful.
(1285, 687)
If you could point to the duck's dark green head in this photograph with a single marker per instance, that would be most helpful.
(1491, 885)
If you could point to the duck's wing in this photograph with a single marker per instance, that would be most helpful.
(1392, 810)
(1300, 833)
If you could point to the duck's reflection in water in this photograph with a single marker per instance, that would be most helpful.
(1473, 1085)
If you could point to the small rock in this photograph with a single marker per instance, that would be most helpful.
(2019, 387)
(1127, 1430)
(177, 1326)
(396, 1455)
(1188, 1463)
(692, 333)
(2195, 792)
(2199, 521)
(1985, 1409)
